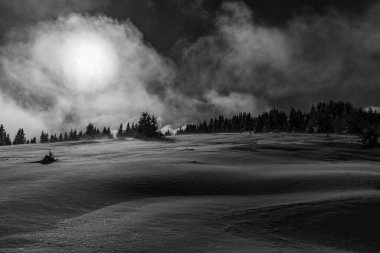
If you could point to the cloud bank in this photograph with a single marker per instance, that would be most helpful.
(307, 60)
(66, 72)
(79, 69)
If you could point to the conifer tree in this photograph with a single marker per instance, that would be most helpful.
(71, 135)
(5, 140)
(8, 141)
(53, 138)
(60, 138)
(20, 137)
(120, 131)
(91, 131)
(3, 136)
(293, 122)
(65, 137)
(128, 132)
(154, 125)
(133, 129)
(44, 138)
(109, 134)
(147, 126)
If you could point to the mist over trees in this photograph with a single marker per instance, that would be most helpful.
(325, 117)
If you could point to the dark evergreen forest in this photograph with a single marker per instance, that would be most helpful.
(325, 117)
(330, 117)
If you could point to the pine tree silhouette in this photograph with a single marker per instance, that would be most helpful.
(65, 137)
(147, 126)
(44, 138)
(120, 131)
(20, 137)
(8, 141)
(325, 117)
(60, 138)
(3, 136)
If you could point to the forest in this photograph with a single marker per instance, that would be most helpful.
(325, 117)
(331, 117)
(146, 127)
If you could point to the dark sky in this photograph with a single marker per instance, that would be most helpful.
(196, 59)
(165, 22)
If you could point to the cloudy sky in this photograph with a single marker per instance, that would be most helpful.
(64, 63)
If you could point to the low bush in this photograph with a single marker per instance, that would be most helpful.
(369, 138)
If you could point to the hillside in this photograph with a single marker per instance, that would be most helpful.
(216, 193)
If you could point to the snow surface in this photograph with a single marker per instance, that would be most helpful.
(195, 193)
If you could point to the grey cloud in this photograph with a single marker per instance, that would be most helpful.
(309, 59)
(241, 66)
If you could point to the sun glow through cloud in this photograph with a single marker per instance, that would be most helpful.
(88, 61)
(79, 69)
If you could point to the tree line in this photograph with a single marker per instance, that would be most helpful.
(91, 132)
(147, 127)
(325, 117)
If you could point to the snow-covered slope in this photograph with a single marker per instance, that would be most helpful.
(213, 193)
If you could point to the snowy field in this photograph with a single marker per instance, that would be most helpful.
(196, 193)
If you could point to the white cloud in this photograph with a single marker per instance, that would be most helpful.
(78, 69)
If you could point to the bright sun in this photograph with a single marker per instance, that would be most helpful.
(89, 61)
